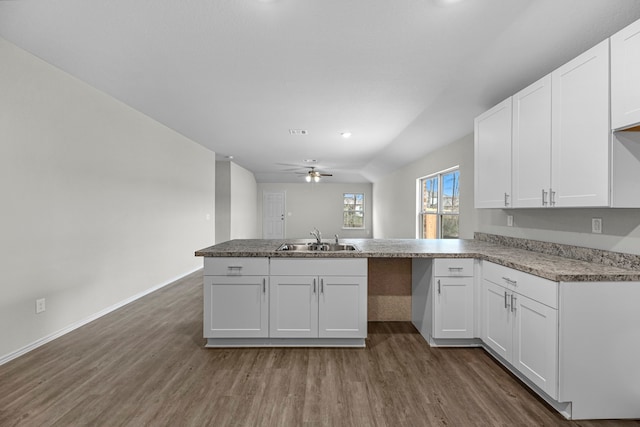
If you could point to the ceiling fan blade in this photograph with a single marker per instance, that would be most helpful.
(326, 174)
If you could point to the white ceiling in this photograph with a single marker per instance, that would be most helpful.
(404, 76)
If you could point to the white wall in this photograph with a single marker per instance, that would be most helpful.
(395, 209)
(99, 202)
(223, 201)
(244, 204)
(395, 212)
(620, 227)
(236, 202)
(320, 205)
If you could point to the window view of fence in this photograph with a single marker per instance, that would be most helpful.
(439, 205)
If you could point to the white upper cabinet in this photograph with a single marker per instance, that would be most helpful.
(492, 149)
(625, 69)
(531, 166)
(581, 131)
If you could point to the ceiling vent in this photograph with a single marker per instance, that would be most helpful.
(298, 132)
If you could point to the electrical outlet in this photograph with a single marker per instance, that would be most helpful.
(509, 220)
(596, 225)
(40, 305)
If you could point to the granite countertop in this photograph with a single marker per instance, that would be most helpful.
(552, 267)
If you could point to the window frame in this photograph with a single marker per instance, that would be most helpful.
(440, 212)
(355, 197)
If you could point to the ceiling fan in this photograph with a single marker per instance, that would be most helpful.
(314, 175)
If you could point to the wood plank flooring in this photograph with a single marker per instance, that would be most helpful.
(145, 365)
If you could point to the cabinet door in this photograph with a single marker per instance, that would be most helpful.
(531, 166)
(236, 307)
(343, 307)
(625, 69)
(581, 131)
(498, 321)
(293, 307)
(453, 307)
(535, 352)
(492, 151)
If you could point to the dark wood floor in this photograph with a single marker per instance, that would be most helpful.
(145, 365)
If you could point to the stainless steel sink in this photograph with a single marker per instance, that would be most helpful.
(317, 247)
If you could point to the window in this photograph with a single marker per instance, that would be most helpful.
(439, 205)
(353, 210)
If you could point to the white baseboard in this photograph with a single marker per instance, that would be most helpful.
(42, 341)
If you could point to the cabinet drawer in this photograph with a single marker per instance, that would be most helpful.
(498, 274)
(534, 287)
(458, 267)
(236, 266)
(319, 267)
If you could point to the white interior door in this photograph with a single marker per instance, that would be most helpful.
(273, 207)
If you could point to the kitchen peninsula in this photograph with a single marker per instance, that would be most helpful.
(568, 328)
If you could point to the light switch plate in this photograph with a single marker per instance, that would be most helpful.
(509, 220)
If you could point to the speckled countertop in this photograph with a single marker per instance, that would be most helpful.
(550, 267)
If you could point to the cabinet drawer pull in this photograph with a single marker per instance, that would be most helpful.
(456, 268)
(506, 199)
(264, 285)
(553, 197)
(544, 198)
(314, 286)
(506, 305)
(322, 286)
(513, 302)
(510, 281)
(439, 290)
(234, 270)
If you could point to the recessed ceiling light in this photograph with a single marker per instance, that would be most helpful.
(228, 157)
(298, 132)
(346, 134)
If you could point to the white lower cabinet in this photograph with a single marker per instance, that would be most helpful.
(520, 323)
(236, 307)
(342, 307)
(443, 299)
(535, 339)
(294, 301)
(236, 298)
(293, 307)
(453, 301)
(318, 306)
(498, 321)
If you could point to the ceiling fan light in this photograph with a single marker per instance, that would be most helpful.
(307, 178)
(316, 178)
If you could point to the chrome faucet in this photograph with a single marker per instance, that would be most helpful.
(337, 241)
(316, 233)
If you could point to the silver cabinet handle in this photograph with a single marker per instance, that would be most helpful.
(439, 290)
(264, 285)
(314, 286)
(456, 268)
(544, 198)
(553, 197)
(506, 199)
(513, 302)
(322, 286)
(506, 305)
(510, 281)
(234, 270)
